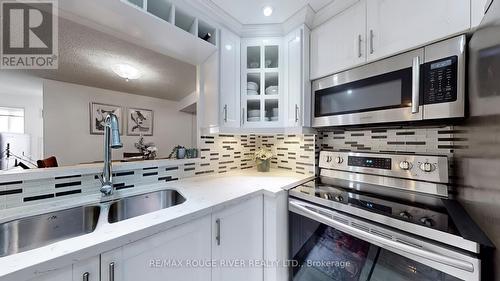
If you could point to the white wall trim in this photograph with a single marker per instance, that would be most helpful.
(331, 10)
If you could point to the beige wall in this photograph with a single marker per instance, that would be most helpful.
(67, 129)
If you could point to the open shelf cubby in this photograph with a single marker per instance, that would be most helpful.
(160, 8)
(186, 22)
(206, 32)
(169, 12)
(138, 3)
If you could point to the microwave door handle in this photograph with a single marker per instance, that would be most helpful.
(311, 211)
(415, 89)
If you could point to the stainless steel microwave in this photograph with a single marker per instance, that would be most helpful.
(423, 84)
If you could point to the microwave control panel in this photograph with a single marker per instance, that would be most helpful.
(440, 80)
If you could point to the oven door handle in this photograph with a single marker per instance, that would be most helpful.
(311, 211)
(415, 87)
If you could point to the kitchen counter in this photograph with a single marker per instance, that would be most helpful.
(204, 195)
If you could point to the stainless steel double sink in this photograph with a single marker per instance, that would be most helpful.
(37, 231)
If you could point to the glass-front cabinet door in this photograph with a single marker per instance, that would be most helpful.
(261, 93)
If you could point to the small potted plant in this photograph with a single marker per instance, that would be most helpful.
(148, 150)
(263, 159)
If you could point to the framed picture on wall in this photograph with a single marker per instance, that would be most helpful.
(98, 113)
(140, 122)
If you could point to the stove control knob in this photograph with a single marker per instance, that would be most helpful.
(405, 215)
(327, 196)
(427, 221)
(328, 159)
(405, 165)
(339, 160)
(427, 167)
(339, 198)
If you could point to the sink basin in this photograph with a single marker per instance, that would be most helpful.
(40, 230)
(134, 206)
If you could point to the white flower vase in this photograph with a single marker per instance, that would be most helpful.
(264, 165)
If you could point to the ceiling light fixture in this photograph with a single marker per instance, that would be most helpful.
(268, 11)
(126, 71)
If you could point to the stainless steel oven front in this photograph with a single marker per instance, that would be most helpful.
(423, 84)
(329, 245)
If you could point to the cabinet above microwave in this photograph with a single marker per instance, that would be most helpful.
(423, 84)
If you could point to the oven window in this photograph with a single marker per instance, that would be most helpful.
(391, 90)
(391, 266)
(323, 253)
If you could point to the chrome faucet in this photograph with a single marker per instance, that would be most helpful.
(111, 141)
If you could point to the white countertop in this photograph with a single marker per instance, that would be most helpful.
(204, 195)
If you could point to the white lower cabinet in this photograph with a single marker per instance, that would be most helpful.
(238, 241)
(225, 246)
(219, 247)
(87, 270)
(170, 255)
(61, 274)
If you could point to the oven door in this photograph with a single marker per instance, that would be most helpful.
(326, 245)
(385, 91)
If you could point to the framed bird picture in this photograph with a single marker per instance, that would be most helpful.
(98, 113)
(140, 122)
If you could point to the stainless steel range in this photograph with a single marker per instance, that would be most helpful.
(382, 217)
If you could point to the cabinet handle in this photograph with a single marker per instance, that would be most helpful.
(243, 116)
(360, 40)
(296, 114)
(112, 271)
(217, 234)
(371, 42)
(225, 113)
(415, 89)
(86, 276)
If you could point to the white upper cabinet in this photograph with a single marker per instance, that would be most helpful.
(477, 11)
(229, 79)
(339, 43)
(297, 86)
(398, 25)
(238, 236)
(261, 86)
(208, 87)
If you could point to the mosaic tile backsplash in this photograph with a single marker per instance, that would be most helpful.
(420, 140)
(219, 154)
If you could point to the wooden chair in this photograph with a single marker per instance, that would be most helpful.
(50, 162)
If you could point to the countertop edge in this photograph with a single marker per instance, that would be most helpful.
(87, 169)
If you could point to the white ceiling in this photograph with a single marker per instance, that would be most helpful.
(86, 56)
(250, 12)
